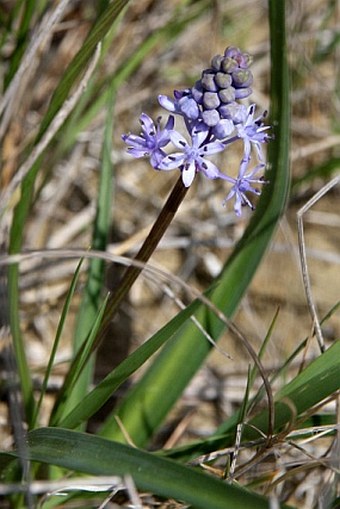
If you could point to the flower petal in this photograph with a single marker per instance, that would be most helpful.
(238, 204)
(223, 128)
(156, 158)
(178, 140)
(170, 123)
(137, 152)
(188, 106)
(188, 174)
(212, 148)
(134, 141)
(167, 103)
(199, 134)
(209, 169)
(147, 123)
(172, 161)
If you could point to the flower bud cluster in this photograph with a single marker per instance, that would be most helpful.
(214, 119)
(228, 79)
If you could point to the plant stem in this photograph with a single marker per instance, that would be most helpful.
(151, 242)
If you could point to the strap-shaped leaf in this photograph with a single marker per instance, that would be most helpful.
(94, 455)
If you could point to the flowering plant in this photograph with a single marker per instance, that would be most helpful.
(214, 118)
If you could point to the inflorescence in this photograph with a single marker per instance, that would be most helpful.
(214, 118)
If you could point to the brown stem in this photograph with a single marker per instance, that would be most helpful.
(152, 240)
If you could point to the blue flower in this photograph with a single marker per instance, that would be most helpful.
(252, 132)
(244, 184)
(183, 104)
(151, 140)
(214, 119)
(191, 158)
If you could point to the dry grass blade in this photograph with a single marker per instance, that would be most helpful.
(303, 258)
(38, 40)
(52, 130)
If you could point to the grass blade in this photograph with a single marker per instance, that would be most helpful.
(22, 39)
(95, 455)
(15, 241)
(96, 398)
(96, 274)
(60, 329)
(315, 383)
(76, 369)
(301, 393)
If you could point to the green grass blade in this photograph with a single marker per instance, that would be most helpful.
(60, 329)
(318, 381)
(98, 396)
(75, 370)
(254, 370)
(97, 456)
(22, 37)
(181, 357)
(92, 297)
(15, 242)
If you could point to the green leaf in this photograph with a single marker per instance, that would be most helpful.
(15, 242)
(97, 456)
(22, 37)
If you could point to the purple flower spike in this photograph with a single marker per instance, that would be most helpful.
(214, 118)
(244, 184)
(191, 158)
(151, 140)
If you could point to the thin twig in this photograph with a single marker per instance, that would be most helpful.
(315, 148)
(303, 258)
